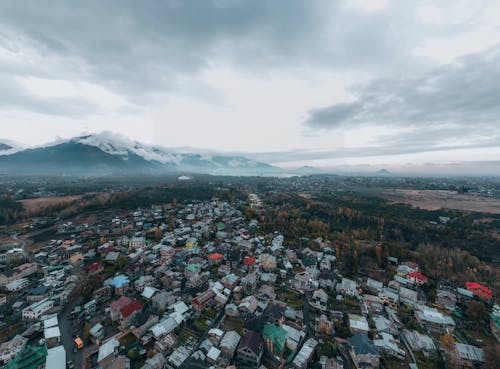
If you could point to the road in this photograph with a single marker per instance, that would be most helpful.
(67, 327)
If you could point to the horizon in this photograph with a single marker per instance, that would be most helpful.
(383, 84)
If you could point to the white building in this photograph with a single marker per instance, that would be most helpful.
(35, 311)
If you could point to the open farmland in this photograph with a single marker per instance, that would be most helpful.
(439, 199)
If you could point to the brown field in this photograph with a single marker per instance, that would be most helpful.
(438, 199)
(33, 206)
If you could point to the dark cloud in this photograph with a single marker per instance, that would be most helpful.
(464, 94)
(139, 48)
(14, 96)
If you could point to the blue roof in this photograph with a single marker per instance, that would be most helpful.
(119, 281)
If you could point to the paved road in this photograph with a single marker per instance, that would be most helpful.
(67, 327)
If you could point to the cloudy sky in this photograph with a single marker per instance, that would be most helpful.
(291, 82)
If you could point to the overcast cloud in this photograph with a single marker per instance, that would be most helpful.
(286, 81)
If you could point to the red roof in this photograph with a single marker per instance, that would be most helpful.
(132, 307)
(418, 275)
(120, 303)
(215, 256)
(478, 286)
(249, 260)
(94, 266)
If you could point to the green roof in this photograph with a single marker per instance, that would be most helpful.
(221, 226)
(276, 334)
(29, 358)
(193, 268)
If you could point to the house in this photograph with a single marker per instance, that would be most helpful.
(116, 307)
(97, 333)
(38, 293)
(388, 344)
(106, 354)
(274, 338)
(420, 342)
(51, 332)
(136, 243)
(417, 278)
(17, 284)
(120, 284)
(363, 352)
(358, 324)
(330, 363)
(128, 313)
(36, 356)
(9, 350)
(468, 356)
(348, 287)
(407, 296)
(323, 326)
(374, 285)
(434, 320)
(479, 290)
(319, 299)
(495, 321)
(446, 298)
(213, 355)
(250, 349)
(305, 354)
(374, 304)
(35, 310)
(202, 299)
(384, 325)
(229, 343)
(248, 305)
(389, 298)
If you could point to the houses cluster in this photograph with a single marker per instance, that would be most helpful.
(200, 285)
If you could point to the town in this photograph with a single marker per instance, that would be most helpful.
(209, 283)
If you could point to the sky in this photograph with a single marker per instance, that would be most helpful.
(317, 82)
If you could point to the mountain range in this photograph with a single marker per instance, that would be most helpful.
(110, 154)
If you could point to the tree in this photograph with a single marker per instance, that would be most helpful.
(86, 331)
(492, 355)
(157, 233)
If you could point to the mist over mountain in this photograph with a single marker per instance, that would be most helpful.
(111, 154)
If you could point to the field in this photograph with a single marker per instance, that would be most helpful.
(438, 199)
(36, 205)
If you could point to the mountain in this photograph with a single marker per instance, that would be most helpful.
(307, 170)
(110, 154)
(9, 147)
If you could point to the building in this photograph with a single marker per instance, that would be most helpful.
(417, 278)
(446, 298)
(358, 324)
(56, 358)
(274, 338)
(17, 284)
(128, 313)
(116, 307)
(202, 299)
(468, 356)
(363, 352)
(35, 310)
(305, 354)
(30, 357)
(229, 343)
(320, 299)
(250, 349)
(495, 321)
(479, 290)
(324, 326)
(9, 350)
(434, 320)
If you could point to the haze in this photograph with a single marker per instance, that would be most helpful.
(323, 83)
